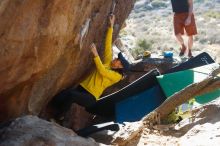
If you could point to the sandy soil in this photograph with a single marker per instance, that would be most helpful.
(201, 129)
(156, 27)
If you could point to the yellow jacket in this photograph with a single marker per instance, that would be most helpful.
(103, 76)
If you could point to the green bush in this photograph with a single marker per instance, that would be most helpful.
(142, 46)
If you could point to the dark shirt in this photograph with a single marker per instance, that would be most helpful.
(180, 6)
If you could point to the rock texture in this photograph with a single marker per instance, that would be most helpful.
(32, 131)
(77, 118)
(43, 48)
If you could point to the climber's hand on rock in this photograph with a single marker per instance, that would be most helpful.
(111, 20)
(94, 50)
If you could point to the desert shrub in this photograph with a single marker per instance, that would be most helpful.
(214, 39)
(158, 4)
(141, 46)
(203, 40)
(199, 1)
(209, 35)
(144, 44)
(123, 32)
(212, 14)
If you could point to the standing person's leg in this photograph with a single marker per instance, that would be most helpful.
(181, 42)
(190, 44)
(178, 23)
(191, 30)
(179, 39)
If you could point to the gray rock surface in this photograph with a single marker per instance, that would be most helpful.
(32, 131)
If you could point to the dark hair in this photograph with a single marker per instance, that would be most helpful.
(120, 71)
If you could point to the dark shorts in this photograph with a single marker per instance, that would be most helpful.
(179, 24)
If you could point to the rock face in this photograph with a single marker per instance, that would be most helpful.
(30, 130)
(44, 48)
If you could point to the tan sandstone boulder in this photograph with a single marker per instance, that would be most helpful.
(44, 48)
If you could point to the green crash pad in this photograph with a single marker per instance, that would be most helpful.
(174, 82)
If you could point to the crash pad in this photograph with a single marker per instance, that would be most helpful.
(197, 61)
(174, 82)
(85, 132)
(106, 105)
(136, 107)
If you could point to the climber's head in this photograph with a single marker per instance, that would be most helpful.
(120, 63)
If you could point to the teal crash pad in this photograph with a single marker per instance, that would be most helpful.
(174, 82)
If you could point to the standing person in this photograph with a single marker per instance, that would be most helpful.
(184, 20)
(105, 74)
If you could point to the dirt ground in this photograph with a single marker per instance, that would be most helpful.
(201, 129)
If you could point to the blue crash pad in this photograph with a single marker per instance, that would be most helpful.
(135, 107)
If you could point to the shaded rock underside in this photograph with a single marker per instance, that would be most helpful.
(42, 49)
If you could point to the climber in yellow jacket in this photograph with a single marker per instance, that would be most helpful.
(106, 74)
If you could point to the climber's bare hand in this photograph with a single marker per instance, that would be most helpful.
(94, 50)
(111, 20)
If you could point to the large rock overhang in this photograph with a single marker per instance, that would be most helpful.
(40, 51)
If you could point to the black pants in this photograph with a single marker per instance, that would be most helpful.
(79, 95)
